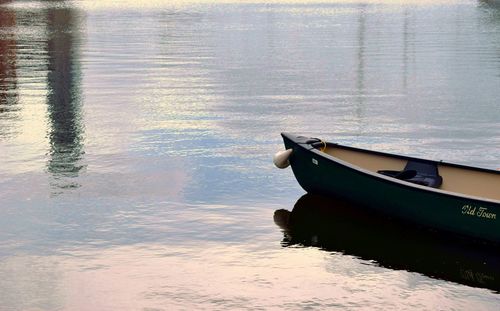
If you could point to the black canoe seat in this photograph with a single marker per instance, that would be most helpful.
(418, 172)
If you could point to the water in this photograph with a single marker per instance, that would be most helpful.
(136, 142)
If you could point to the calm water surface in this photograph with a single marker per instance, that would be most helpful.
(136, 142)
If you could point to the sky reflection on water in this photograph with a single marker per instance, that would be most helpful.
(136, 142)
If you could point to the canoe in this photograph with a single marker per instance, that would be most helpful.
(336, 225)
(455, 198)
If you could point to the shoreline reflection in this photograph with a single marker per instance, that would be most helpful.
(339, 226)
(8, 75)
(64, 98)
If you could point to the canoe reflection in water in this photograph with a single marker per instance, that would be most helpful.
(336, 225)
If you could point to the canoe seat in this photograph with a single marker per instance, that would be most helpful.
(418, 172)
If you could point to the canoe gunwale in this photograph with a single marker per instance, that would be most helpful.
(403, 157)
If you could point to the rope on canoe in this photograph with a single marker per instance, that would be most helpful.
(323, 148)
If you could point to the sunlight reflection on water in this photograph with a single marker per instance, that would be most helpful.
(136, 142)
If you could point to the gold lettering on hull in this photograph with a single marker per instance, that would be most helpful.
(475, 276)
(478, 211)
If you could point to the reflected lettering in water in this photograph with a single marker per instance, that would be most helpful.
(336, 225)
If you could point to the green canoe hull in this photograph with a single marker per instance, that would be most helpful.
(320, 173)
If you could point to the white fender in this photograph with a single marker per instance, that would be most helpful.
(280, 159)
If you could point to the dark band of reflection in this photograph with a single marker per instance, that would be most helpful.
(8, 75)
(64, 98)
(490, 3)
(336, 225)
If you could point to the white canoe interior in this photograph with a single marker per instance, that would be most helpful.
(462, 180)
